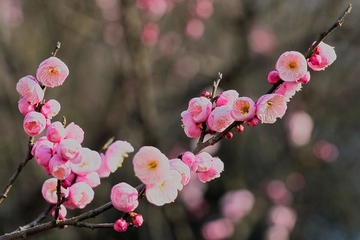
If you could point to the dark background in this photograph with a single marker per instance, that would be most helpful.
(119, 86)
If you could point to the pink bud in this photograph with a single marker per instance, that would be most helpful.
(29, 88)
(120, 225)
(51, 108)
(240, 128)
(323, 56)
(66, 183)
(305, 79)
(34, 123)
(24, 106)
(229, 135)
(273, 77)
(253, 122)
(206, 94)
(137, 220)
(188, 158)
(124, 197)
(55, 132)
(52, 72)
(62, 212)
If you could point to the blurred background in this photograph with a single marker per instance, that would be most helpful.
(134, 65)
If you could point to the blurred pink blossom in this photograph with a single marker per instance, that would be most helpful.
(204, 8)
(277, 232)
(283, 216)
(278, 192)
(150, 34)
(219, 229)
(300, 126)
(195, 28)
(11, 13)
(237, 204)
(262, 39)
(326, 151)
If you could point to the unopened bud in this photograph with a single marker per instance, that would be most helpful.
(229, 135)
(240, 128)
(206, 94)
(253, 122)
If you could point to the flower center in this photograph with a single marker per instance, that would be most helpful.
(292, 65)
(153, 164)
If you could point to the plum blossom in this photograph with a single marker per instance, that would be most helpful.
(29, 88)
(75, 132)
(52, 72)
(269, 107)
(59, 167)
(124, 197)
(199, 108)
(150, 165)
(220, 118)
(55, 132)
(191, 128)
(42, 151)
(137, 219)
(34, 123)
(48, 190)
(92, 179)
(51, 108)
(166, 191)
(69, 149)
(323, 56)
(243, 109)
(182, 168)
(90, 162)
(188, 158)
(25, 106)
(291, 66)
(217, 166)
(80, 194)
(202, 162)
(288, 89)
(116, 153)
(103, 171)
(227, 98)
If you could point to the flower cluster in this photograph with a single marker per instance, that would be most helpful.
(78, 169)
(211, 114)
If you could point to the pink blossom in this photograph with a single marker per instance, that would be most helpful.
(305, 79)
(34, 123)
(288, 89)
(218, 229)
(269, 107)
(124, 197)
(291, 66)
(273, 77)
(243, 109)
(237, 204)
(121, 225)
(24, 106)
(75, 132)
(191, 128)
(92, 179)
(116, 153)
(182, 168)
(137, 219)
(49, 190)
(29, 88)
(188, 158)
(204, 8)
(202, 162)
(199, 108)
(166, 191)
(51, 108)
(217, 166)
(323, 56)
(42, 151)
(62, 212)
(55, 132)
(227, 98)
(69, 149)
(90, 162)
(80, 194)
(52, 72)
(59, 167)
(220, 118)
(150, 165)
(103, 171)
